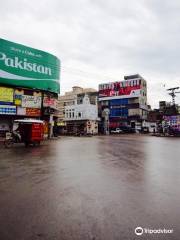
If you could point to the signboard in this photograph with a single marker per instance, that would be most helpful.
(123, 89)
(173, 121)
(33, 112)
(61, 124)
(21, 111)
(28, 67)
(31, 101)
(30, 112)
(50, 102)
(48, 111)
(6, 95)
(18, 97)
(7, 110)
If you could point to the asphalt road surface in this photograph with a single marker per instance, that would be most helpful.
(91, 188)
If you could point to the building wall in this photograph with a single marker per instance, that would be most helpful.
(82, 111)
(69, 98)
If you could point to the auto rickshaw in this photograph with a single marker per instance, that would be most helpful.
(27, 131)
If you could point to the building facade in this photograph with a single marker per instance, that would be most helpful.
(126, 101)
(78, 111)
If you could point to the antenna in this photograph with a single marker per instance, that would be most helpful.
(172, 93)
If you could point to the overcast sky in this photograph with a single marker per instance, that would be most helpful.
(100, 41)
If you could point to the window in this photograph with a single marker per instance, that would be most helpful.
(79, 100)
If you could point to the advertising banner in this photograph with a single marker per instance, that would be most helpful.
(21, 111)
(23, 66)
(33, 112)
(18, 97)
(31, 101)
(173, 121)
(7, 110)
(50, 102)
(118, 90)
(6, 95)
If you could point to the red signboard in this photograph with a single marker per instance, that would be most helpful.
(33, 112)
(130, 88)
(50, 102)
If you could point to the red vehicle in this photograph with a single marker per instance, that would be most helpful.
(28, 131)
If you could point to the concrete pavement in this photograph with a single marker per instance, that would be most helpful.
(90, 188)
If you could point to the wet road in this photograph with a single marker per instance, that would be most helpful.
(90, 188)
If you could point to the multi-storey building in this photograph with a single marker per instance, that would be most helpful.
(126, 102)
(69, 99)
(78, 111)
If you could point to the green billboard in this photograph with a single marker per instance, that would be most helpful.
(23, 66)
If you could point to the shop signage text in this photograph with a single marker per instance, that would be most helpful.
(31, 101)
(7, 110)
(6, 95)
(118, 90)
(50, 102)
(22, 66)
(33, 112)
(30, 112)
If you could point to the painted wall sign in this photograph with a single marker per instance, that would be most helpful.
(31, 101)
(23, 66)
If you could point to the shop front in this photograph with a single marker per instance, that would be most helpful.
(50, 107)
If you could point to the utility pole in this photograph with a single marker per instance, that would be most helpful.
(172, 93)
(105, 114)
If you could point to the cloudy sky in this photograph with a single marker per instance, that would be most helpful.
(100, 41)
